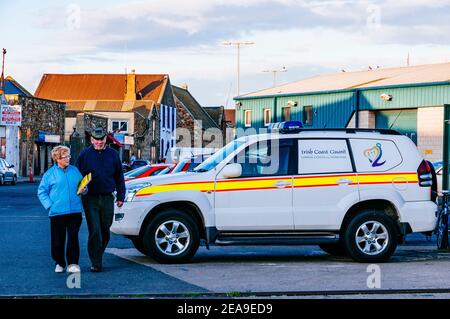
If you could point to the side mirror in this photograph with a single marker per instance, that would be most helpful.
(232, 171)
(11, 166)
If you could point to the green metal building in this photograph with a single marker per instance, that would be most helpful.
(408, 99)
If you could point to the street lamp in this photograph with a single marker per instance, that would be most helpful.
(275, 74)
(238, 46)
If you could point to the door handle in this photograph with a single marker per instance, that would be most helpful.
(344, 181)
(282, 184)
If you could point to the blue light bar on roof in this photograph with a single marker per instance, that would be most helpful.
(286, 127)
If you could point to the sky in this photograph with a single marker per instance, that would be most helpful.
(184, 38)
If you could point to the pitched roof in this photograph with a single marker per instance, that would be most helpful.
(105, 92)
(426, 73)
(13, 87)
(194, 107)
(216, 113)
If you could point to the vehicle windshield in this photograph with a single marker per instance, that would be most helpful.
(136, 172)
(219, 156)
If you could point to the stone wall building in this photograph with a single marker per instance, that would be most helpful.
(139, 108)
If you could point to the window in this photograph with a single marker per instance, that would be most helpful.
(323, 156)
(286, 114)
(2, 147)
(267, 117)
(375, 155)
(248, 118)
(265, 158)
(122, 125)
(308, 115)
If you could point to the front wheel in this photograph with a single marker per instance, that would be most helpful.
(138, 244)
(371, 236)
(171, 237)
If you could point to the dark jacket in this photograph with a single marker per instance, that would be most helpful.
(106, 169)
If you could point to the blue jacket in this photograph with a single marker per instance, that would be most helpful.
(58, 190)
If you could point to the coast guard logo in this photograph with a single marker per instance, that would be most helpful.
(374, 155)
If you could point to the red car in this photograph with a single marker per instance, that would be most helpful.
(145, 171)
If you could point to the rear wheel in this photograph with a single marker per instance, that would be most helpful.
(14, 181)
(171, 237)
(334, 249)
(2, 180)
(371, 236)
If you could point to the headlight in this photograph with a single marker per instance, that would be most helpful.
(132, 190)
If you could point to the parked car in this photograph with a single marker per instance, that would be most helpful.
(7, 173)
(351, 191)
(145, 171)
(139, 163)
(126, 168)
(188, 165)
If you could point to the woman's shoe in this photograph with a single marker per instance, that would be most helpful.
(73, 268)
(59, 268)
(96, 269)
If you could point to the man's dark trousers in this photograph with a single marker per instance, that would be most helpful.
(99, 211)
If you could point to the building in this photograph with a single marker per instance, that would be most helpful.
(408, 99)
(139, 109)
(27, 143)
(203, 130)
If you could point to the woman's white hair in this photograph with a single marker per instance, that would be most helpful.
(58, 151)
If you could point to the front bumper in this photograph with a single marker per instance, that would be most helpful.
(129, 218)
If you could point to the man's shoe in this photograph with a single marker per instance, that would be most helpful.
(96, 269)
(73, 268)
(59, 268)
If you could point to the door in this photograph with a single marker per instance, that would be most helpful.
(324, 185)
(261, 198)
(404, 121)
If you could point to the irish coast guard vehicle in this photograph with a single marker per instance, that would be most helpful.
(356, 192)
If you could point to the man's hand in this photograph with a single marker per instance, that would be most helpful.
(119, 204)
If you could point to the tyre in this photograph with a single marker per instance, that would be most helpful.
(442, 233)
(14, 181)
(171, 237)
(138, 244)
(370, 236)
(334, 249)
(2, 180)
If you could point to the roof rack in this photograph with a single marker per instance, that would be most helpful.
(353, 130)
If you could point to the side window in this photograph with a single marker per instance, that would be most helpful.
(323, 156)
(375, 155)
(265, 158)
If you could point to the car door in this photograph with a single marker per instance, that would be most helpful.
(261, 198)
(325, 184)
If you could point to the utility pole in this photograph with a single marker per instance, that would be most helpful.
(283, 69)
(238, 46)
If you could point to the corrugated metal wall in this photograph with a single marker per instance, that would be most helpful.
(406, 97)
(334, 109)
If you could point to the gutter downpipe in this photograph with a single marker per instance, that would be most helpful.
(357, 109)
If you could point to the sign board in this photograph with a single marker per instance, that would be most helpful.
(11, 115)
(48, 138)
(129, 140)
(119, 137)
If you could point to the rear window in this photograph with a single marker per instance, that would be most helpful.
(375, 155)
(323, 156)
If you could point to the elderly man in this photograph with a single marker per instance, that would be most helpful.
(107, 176)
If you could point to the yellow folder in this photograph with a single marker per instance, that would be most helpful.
(84, 182)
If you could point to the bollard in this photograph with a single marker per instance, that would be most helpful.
(31, 180)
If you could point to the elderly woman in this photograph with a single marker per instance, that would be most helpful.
(58, 194)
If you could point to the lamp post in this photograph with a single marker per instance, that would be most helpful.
(283, 69)
(238, 46)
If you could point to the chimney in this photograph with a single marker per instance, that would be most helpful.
(130, 93)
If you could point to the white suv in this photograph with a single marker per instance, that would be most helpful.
(351, 191)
